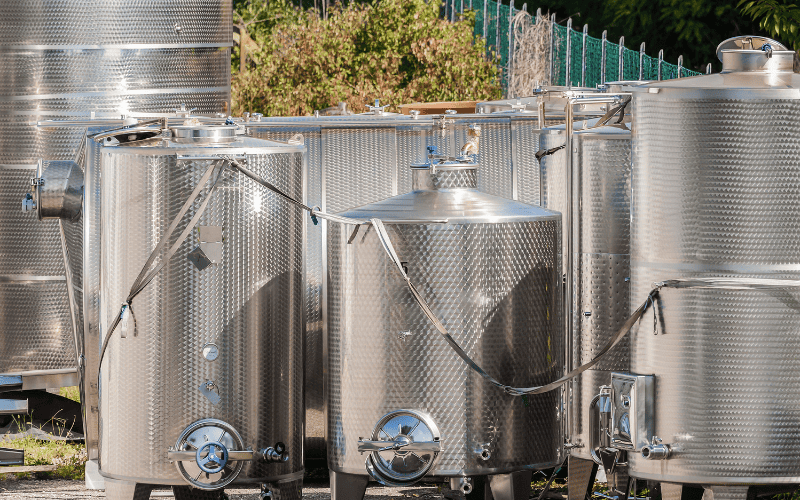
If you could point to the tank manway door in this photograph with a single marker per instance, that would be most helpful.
(402, 449)
(210, 454)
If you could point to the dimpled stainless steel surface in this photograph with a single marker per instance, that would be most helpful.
(82, 58)
(715, 183)
(601, 158)
(250, 305)
(492, 276)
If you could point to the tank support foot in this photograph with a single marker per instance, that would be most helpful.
(126, 490)
(348, 486)
(94, 481)
(582, 475)
(189, 493)
(513, 486)
(672, 491)
(285, 490)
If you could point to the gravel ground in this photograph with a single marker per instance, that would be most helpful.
(29, 489)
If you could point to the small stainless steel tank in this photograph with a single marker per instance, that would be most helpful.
(67, 59)
(716, 177)
(209, 368)
(490, 269)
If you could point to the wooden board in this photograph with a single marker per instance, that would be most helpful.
(33, 468)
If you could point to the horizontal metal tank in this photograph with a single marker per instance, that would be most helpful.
(489, 268)
(716, 177)
(83, 58)
(217, 331)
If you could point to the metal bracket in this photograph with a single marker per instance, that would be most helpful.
(11, 456)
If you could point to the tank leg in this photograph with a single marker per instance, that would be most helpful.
(513, 486)
(581, 475)
(348, 486)
(94, 481)
(673, 491)
(126, 490)
(288, 490)
(715, 492)
(189, 493)
(480, 488)
(619, 481)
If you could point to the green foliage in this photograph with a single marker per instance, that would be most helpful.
(70, 459)
(396, 50)
(72, 393)
(780, 19)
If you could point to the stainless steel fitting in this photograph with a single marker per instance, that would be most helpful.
(464, 484)
(656, 451)
(275, 453)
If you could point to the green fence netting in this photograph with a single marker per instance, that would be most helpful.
(492, 21)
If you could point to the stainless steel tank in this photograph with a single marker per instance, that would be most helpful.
(209, 367)
(84, 58)
(490, 269)
(716, 178)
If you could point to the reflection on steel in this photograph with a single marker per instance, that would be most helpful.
(247, 305)
(716, 173)
(492, 276)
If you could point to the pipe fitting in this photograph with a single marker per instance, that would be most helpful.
(656, 451)
(275, 453)
(483, 453)
(463, 484)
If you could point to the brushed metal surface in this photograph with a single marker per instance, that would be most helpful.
(496, 288)
(715, 183)
(602, 186)
(250, 305)
(85, 58)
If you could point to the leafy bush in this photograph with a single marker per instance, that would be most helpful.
(779, 18)
(396, 50)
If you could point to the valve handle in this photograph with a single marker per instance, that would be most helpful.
(212, 463)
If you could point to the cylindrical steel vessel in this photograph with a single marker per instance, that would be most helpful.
(716, 177)
(491, 272)
(84, 58)
(217, 333)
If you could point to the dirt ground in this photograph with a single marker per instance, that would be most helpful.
(31, 489)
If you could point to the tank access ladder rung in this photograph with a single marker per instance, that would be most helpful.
(13, 406)
(10, 383)
(11, 456)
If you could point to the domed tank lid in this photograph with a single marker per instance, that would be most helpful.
(748, 63)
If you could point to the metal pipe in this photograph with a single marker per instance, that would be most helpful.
(568, 58)
(486, 25)
(583, 55)
(680, 65)
(656, 452)
(552, 49)
(708, 69)
(621, 58)
(641, 61)
(660, 62)
(567, 229)
(603, 49)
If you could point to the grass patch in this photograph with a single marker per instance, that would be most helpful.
(69, 458)
(72, 393)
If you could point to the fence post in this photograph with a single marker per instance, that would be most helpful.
(641, 62)
(583, 55)
(552, 49)
(660, 62)
(486, 25)
(497, 30)
(568, 59)
(708, 69)
(462, 6)
(680, 65)
(603, 49)
(621, 58)
(509, 62)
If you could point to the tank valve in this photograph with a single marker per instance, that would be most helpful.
(464, 484)
(275, 453)
(656, 451)
(483, 453)
(28, 203)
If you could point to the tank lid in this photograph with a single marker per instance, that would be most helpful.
(204, 133)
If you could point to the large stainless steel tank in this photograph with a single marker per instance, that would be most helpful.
(84, 58)
(489, 267)
(362, 159)
(716, 177)
(213, 353)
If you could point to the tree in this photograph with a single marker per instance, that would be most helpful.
(779, 19)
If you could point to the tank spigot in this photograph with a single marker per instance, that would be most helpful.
(464, 484)
(276, 453)
(656, 450)
(28, 203)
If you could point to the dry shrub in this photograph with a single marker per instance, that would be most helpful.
(530, 55)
